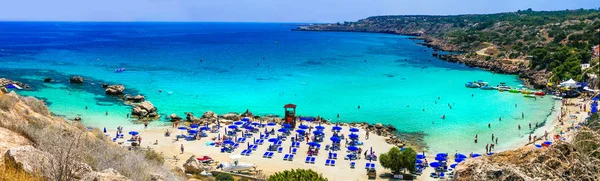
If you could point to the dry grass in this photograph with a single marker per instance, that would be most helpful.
(7, 102)
(11, 172)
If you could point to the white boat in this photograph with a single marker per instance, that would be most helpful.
(228, 167)
(557, 98)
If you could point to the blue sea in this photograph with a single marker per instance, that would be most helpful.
(231, 67)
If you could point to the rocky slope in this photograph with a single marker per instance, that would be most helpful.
(51, 147)
(561, 161)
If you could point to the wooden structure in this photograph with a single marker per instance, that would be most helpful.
(290, 114)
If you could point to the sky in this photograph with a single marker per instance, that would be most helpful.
(316, 11)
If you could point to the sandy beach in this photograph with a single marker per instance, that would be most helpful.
(170, 148)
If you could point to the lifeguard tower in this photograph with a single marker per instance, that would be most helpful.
(290, 114)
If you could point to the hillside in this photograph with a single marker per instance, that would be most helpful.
(557, 41)
(35, 145)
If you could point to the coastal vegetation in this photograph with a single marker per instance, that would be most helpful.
(398, 160)
(297, 175)
(556, 41)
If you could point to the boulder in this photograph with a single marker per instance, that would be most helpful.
(47, 79)
(231, 116)
(192, 165)
(76, 80)
(191, 118)
(209, 114)
(115, 90)
(3, 90)
(135, 99)
(77, 118)
(105, 175)
(105, 86)
(144, 109)
(174, 117)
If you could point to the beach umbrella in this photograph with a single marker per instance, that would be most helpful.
(314, 144)
(194, 126)
(246, 119)
(310, 119)
(420, 156)
(192, 131)
(440, 158)
(232, 127)
(271, 124)
(442, 155)
(458, 160)
(300, 131)
(228, 142)
(353, 136)
(303, 127)
(238, 123)
(282, 130)
(352, 148)
(134, 133)
(453, 165)
(254, 123)
(273, 140)
(354, 130)
(435, 164)
(249, 127)
(182, 128)
(318, 132)
(460, 156)
(547, 142)
(490, 153)
(287, 125)
(204, 128)
(538, 146)
(475, 155)
(319, 127)
(337, 128)
(335, 139)
(419, 161)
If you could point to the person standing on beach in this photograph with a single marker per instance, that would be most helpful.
(492, 137)
(496, 140)
(536, 124)
(145, 124)
(475, 138)
(182, 149)
(489, 125)
(499, 118)
(366, 136)
(530, 138)
(487, 148)
(529, 126)
(519, 126)
(522, 115)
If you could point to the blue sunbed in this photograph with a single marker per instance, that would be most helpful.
(307, 159)
(286, 157)
(291, 158)
(312, 160)
(243, 152)
(372, 165)
(334, 156)
(248, 152)
(368, 165)
(327, 162)
(333, 163)
(271, 154)
(294, 150)
(280, 149)
(352, 165)
(266, 154)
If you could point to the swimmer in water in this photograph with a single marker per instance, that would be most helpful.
(107, 113)
(358, 106)
(160, 91)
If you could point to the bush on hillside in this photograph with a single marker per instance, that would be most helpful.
(224, 177)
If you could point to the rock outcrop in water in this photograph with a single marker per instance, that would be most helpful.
(76, 80)
(115, 90)
(47, 79)
(134, 99)
(4, 82)
(145, 110)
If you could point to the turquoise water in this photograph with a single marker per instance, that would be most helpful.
(261, 67)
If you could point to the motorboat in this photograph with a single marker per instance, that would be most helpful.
(557, 98)
(539, 93)
(472, 85)
(228, 167)
(487, 87)
(525, 91)
(529, 96)
(514, 91)
(503, 88)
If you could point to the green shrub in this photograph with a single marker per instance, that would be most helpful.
(297, 175)
(224, 177)
(155, 157)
